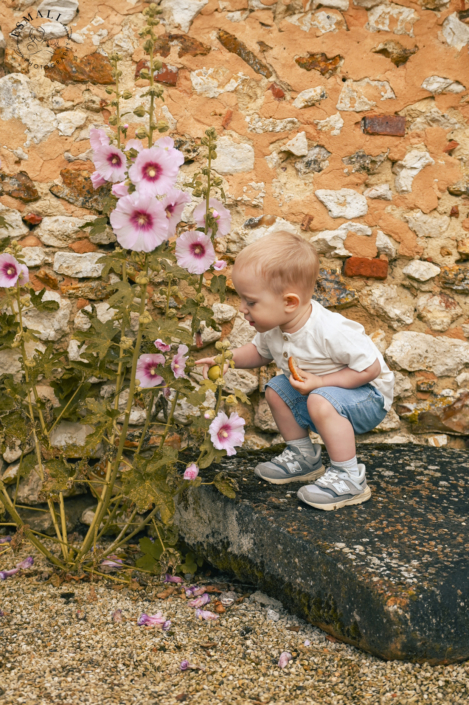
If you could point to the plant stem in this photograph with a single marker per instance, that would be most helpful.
(124, 530)
(147, 423)
(130, 536)
(170, 421)
(64, 524)
(66, 407)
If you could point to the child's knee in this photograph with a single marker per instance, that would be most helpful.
(320, 408)
(273, 399)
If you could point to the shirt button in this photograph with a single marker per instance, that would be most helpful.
(285, 337)
(285, 354)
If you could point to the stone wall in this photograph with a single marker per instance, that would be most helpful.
(343, 120)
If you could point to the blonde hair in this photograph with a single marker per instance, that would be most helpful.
(284, 260)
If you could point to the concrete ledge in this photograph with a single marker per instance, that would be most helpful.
(389, 576)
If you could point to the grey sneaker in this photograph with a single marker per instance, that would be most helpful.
(336, 489)
(291, 466)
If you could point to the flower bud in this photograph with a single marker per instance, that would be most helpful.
(127, 95)
(144, 74)
(141, 133)
(209, 414)
(142, 279)
(218, 345)
(145, 317)
(126, 343)
(231, 400)
(171, 313)
(174, 291)
(139, 111)
(109, 91)
(29, 362)
(200, 298)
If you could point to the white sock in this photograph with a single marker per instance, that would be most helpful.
(348, 466)
(304, 445)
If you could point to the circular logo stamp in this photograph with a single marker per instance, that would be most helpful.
(38, 37)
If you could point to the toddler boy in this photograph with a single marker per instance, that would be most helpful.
(347, 387)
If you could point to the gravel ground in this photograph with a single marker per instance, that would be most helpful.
(59, 643)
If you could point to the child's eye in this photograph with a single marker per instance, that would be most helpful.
(250, 303)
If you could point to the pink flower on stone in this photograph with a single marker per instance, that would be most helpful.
(194, 252)
(154, 172)
(164, 347)
(174, 203)
(191, 472)
(98, 138)
(134, 144)
(221, 214)
(285, 657)
(226, 433)
(167, 143)
(120, 189)
(178, 363)
(139, 222)
(97, 180)
(110, 162)
(219, 265)
(147, 366)
(12, 272)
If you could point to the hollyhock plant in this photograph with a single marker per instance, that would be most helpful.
(98, 138)
(120, 190)
(178, 363)
(167, 143)
(191, 472)
(139, 222)
(110, 162)
(174, 203)
(97, 180)
(220, 213)
(133, 144)
(164, 347)
(219, 265)
(154, 172)
(194, 252)
(12, 272)
(147, 366)
(226, 433)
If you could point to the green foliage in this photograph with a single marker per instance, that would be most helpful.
(40, 305)
(218, 286)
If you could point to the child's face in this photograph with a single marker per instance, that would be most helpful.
(261, 307)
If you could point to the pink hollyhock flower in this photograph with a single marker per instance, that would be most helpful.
(146, 370)
(174, 203)
(172, 579)
(178, 363)
(4, 574)
(97, 180)
(98, 138)
(151, 620)
(154, 172)
(226, 433)
(167, 143)
(167, 393)
(200, 601)
(164, 347)
(134, 144)
(219, 265)
(110, 162)
(139, 222)
(27, 563)
(205, 614)
(194, 252)
(221, 214)
(191, 472)
(12, 272)
(120, 190)
(285, 657)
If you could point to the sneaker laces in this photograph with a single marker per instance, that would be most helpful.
(287, 454)
(329, 476)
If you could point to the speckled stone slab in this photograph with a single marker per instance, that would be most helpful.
(390, 576)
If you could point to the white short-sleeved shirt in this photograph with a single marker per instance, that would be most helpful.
(327, 343)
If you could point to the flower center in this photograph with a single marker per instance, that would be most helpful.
(153, 371)
(176, 366)
(115, 160)
(198, 250)
(151, 171)
(11, 271)
(141, 220)
(170, 209)
(223, 434)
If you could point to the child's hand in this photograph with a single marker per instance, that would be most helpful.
(310, 382)
(209, 362)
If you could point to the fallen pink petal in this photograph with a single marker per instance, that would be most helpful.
(200, 601)
(151, 620)
(117, 616)
(4, 574)
(219, 265)
(205, 614)
(166, 626)
(172, 579)
(112, 563)
(285, 657)
(27, 563)
(5, 539)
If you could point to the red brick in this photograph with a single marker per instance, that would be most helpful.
(276, 91)
(83, 246)
(30, 241)
(32, 219)
(167, 75)
(363, 267)
(454, 213)
(450, 146)
(384, 125)
(227, 119)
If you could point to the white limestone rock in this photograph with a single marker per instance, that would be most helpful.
(455, 32)
(104, 238)
(3, 42)
(35, 256)
(357, 96)
(332, 124)
(462, 380)
(19, 101)
(412, 351)
(309, 97)
(18, 229)
(68, 121)
(395, 304)
(212, 82)
(407, 169)
(367, 4)
(54, 30)
(297, 146)
(389, 17)
(386, 245)
(73, 265)
(279, 225)
(343, 203)
(438, 85)
(10, 359)
(383, 191)
(51, 325)
(62, 10)
(259, 124)
(391, 422)
(378, 337)
(421, 271)
(438, 441)
(60, 230)
(331, 242)
(70, 436)
(438, 311)
(243, 380)
(426, 225)
(263, 418)
(181, 13)
(341, 5)
(242, 332)
(252, 441)
(233, 157)
(223, 313)
(402, 386)
(103, 311)
(206, 335)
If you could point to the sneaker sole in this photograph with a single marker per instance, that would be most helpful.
(315, 475)
(358, 499)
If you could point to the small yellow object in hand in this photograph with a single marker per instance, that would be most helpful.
(214, 373)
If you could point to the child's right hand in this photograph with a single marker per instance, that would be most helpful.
(209, 362)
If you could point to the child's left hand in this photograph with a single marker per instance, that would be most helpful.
(310, 382)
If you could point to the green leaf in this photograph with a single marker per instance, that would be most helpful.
(9, 327)
(124, 295)
(151, 548)
(40, 305)
(224, 485)
(241, 396)
(146, 562)
(218, 286)
(4, 223)
(210, 454)
(99, 339)
(97, 226)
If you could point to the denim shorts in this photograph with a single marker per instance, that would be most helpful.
(363, 406)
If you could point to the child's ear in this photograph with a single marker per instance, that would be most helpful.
(292, 301)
